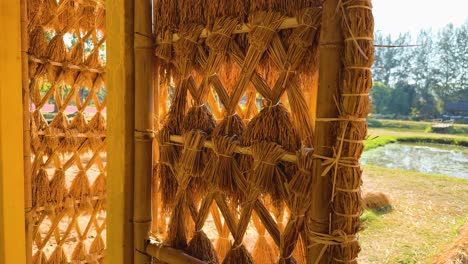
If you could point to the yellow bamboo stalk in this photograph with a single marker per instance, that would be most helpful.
(288, 157)
(143, 126)
(331, 43)
(290, 22)
(170, 255)
(120, 128)
(26, 131)
(12, 229)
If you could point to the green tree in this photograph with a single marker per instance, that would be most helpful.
(402, 99)
(380, 95)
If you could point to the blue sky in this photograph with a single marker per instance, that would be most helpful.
(399, 16)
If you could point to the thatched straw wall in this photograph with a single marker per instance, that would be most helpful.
(65, 81)
(236, 131)
(238, 155)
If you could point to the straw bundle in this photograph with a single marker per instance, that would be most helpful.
(177, 231)
(262, 252)
(58, 189)
(265, 175)
(200, 246)
(79, 254)
(222, 243)
(189, 166)
(58, 256)
(199, 118)
(238, 255)
(357, 26)
(39, 258)
(298, 200)
(273, 124)
(222, 170)
(265, 25)
(40, 192)
(376, 200)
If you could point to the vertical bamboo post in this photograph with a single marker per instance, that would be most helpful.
(26, 130)
(155, 194)
(143, 46)
(12, 231)
(331, 43)
(120, 128)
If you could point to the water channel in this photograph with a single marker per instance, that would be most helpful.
(427, 158)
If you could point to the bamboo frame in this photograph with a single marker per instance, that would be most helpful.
(331, 43)
(12, 219)
(142, 215)
(26, 131)
(120, 127)
(290, 22)
(288, 157)
(170, 255)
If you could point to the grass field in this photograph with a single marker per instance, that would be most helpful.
(415, 126)
(428, 210)
(427, 213)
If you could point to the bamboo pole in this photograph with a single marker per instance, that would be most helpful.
(12, 229)
(143, 128)
(170, 255)
(331, 43)
(288, 157)
(155, 194)
(120, 127)
(289, 22)
(26, 131)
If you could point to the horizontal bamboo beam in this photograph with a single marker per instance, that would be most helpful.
(289, 22)
(77, 135)
(288, 157)
(170, 255)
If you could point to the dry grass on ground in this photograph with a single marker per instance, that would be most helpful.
(456, 253)
(427, 212)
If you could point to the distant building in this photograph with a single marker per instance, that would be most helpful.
(456, 110)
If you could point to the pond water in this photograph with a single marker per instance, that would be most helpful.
(426, 158)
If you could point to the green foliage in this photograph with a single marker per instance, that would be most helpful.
(381, 95)
(368, 216)
(399, 124)
(417, 81)
(372, 143)
(435, 140)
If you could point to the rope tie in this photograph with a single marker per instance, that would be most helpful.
(222, 155)
(358, 67)
(347, 215)
(234, 247)
(359, 38)
(345, 261)
(349, 118)
(356, 141)
(351, 94)
(266, 27)
(337, 237)
(356, 190)
(359, 6)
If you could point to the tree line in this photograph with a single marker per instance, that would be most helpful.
(416, 81)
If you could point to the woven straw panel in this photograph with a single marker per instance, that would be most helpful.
(235, 90)
(68, 127)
